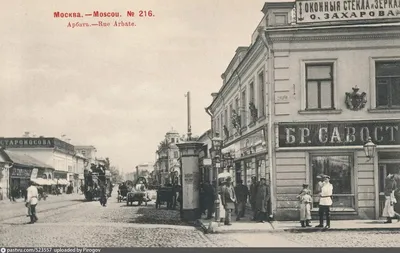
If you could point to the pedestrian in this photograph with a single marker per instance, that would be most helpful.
(397, 190)
(221, 206)
(31, 201)
(390, 200)
(228, 200)
(262, 198)
(325, 202)
(242, 193)
(252, 196)
(202, 199)
(305, 206)
(209, 198)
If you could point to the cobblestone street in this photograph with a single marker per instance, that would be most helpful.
(75, 222)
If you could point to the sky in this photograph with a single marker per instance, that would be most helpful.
(119, 89)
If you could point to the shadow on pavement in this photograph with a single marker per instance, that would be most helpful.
(151, 215)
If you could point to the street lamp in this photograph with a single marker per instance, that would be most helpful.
(369, 148)
(215, 155)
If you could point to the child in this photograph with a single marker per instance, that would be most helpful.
(305, 206)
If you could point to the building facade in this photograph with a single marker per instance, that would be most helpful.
(58, 154)
(239, 112)
(334, 82)
(88, 151)
(167, 157)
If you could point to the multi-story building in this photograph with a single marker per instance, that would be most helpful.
(320, 114)
(167, 157)
(87, 151)
(54, 152)
(206, 170)
(239, 112)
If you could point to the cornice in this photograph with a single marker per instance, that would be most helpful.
(347, 37)
(242, 69)
(249, 53)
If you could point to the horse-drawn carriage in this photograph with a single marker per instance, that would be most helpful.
(138, 193)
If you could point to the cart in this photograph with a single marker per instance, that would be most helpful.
(138, 193)
(165, 195)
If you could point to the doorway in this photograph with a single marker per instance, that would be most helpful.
(389, 162)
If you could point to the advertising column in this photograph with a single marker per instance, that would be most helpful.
(190, 180)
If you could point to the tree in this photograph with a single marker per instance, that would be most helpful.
(115, 176)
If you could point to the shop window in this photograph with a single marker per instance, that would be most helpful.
(387, 84)
(340, 169)
(319, 86)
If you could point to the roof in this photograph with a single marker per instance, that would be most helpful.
(25, 160)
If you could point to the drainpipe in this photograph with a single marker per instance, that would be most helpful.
(271, 98)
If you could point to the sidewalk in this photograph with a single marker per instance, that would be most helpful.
(245, 225)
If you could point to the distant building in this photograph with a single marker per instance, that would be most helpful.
(167, 157)
(88, 151)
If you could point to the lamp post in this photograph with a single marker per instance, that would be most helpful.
(369, 149)
(215, 154)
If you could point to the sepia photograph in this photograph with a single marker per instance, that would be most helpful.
(199, 124)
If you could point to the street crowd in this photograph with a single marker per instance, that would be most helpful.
(234, 199)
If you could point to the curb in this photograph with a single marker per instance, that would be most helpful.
(205, 230)
(312, 230)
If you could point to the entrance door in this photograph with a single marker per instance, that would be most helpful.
(384, 169)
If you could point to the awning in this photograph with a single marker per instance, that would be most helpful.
(40, 181)
(63, 182)
(52, 182)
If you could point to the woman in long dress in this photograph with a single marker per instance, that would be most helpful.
(221, 206)
(390, 200)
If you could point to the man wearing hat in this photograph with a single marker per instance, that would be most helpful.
(228, 200)
(31, 201)
(325, 202)
(262, 199)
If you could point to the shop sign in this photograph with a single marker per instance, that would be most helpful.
(338, 133)
(37, 143)
(345, 10)
(60, 175)
(21, 173)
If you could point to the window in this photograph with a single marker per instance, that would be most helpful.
(387, 84)
(319, 86)
(172, 140)
(222, 126)
(340, 169)
(281, 19)
(244, 106)
(176, 154)
(230, 125)
(83, 152)
(226, 123)
(252, 93)
(261, 85)
(237, 106)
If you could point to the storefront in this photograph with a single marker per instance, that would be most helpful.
(250, 157)
(61, 178)
(306, 150)
(20, 177)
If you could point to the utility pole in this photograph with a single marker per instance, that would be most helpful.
(189, 133)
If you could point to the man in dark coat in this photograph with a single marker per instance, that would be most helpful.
(262, 198)
(209, 197)
(252, 196)
(242, 193)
